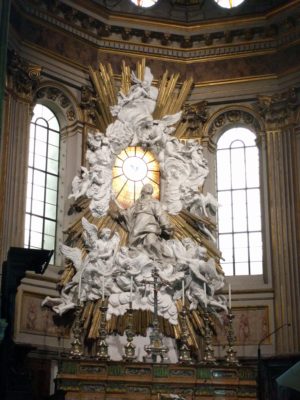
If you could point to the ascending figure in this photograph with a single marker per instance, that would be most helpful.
(146, 222)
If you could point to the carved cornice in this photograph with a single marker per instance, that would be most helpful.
(181, 43)
(278, 110)
(23, 77)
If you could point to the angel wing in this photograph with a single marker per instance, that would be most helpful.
(72, 253)
(90, 232)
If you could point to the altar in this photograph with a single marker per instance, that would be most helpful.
(91, 380)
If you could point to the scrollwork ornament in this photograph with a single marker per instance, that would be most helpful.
(25, 76)
(278, 109)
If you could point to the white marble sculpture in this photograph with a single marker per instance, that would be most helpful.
(182, 165)
(125, 274)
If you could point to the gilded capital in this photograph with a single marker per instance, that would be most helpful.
(23, 77)
(195, 115)
(278, 109)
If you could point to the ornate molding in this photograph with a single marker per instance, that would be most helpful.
(230, 117)
(57, 96)
(23, 77)
(186, 43)
(279, 109)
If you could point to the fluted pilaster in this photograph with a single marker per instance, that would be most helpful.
(22, 78)
(278, 112)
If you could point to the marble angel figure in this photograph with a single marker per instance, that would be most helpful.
(80, 184)
(71, 292)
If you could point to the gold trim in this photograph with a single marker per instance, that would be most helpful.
(145, 22)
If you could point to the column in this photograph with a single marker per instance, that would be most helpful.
(278, 112)
(21, 80)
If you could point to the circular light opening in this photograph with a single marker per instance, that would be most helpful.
(135, 169)
(144, 3)
(229, 3)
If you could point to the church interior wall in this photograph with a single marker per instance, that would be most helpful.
(232, 83)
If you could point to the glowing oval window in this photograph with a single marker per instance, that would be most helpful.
(134, 167)
(144, 3)
(229, 3)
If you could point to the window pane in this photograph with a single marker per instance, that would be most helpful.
(239, 210)
(52, 182)
(38, 193)
(49, 242)
(238, 168)
(225, 243)
(51, 196)
(41, 133)
(224, 212)
(252, 165)
(41, 148)
(53, 152)
(37, 224)
(36, 239)
(52, 166)
(39, 178)
(256, 268)
(223, 170)
(50, 211)
(39, 162)
(54, 138)
(50, 227)
(241, 269)
(228, 269)
(37, 207)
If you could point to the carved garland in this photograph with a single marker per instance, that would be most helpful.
(57, 96)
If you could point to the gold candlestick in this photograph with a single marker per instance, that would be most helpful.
(76, 352)
(209, 357)
(184, 350)
(129, 347)
(102, 353)
(230, 358)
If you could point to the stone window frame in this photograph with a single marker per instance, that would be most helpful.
(64, 106)
(247, 117)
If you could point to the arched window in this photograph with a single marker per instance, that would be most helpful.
(42, 181)
(239, 216)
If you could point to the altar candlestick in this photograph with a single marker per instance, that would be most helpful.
(229, 296)
(205, 296)
(183, 292)
(131, 284)
(103, 286)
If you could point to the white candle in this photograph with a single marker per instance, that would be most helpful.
(205, 297)
(183, 292)
(103, 286)
(131, 284)
(229, 296)
(79, 287)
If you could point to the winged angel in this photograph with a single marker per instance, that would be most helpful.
(164, 234)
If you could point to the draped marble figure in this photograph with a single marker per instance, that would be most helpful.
(125, 272)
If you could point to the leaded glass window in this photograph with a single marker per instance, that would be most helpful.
(42, 181)
(239, 216)
(134, 167)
